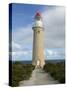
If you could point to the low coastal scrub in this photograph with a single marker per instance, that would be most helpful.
(20, 72)
(56, 70)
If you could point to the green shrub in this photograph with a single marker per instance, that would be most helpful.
(57, 71)
(20, 72)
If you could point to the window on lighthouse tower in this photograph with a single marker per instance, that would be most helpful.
(38, 31)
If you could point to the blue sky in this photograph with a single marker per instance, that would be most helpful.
(22, 33)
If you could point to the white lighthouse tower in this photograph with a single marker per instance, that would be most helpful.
(38, 48)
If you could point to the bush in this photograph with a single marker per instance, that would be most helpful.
(57, 71)
(20, 72)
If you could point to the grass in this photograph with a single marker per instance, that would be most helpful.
(57, 71)
(20, 72)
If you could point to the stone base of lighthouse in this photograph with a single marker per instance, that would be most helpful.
(38, 64)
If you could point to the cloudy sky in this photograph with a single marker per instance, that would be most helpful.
(22, 33)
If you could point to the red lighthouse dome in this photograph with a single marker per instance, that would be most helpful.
(38, 14)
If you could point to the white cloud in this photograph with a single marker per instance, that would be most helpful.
(54, 23)
(21, 55)
(50, 52)
(23, 38)
(16, 45)
(55, 53)
(23, 34)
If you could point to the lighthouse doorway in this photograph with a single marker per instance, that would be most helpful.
(38, 64)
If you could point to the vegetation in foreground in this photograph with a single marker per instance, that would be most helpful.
(23, 72)
(56, 70)
(20, 72)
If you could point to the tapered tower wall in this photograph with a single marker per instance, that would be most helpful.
(38, 48)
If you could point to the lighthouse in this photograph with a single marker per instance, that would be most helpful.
(38, 45)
